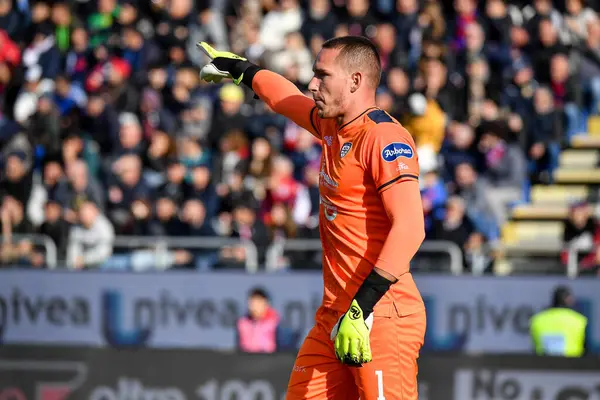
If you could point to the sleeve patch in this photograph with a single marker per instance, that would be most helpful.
(395, 150)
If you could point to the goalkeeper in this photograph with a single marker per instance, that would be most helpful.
(371, 325)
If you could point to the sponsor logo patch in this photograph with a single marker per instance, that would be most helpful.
(396, 150)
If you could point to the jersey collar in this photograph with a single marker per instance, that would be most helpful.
(348, 125)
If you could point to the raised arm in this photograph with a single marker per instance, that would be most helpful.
(280, 94)
(286, 99)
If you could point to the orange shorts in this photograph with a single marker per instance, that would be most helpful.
(392, 375)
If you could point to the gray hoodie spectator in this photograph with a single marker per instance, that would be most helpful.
(90, 242)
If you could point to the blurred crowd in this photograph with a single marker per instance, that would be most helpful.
(106, 129)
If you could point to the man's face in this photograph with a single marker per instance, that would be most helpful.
(548, 34)
(53, 211)
(5, 7)
(130, 173)
(95, 106)
(201, 177)
(15, 168)
(87, 214)
(330, 84)
(543, 101)
(559, 69)
(62, 87)
(130, 135)
(194, 212)
(464, 175)
(165, 208)
(80, 39)
(176, 173)
(78, 176)
(52, 173)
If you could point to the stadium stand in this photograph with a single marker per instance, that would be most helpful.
(112, 149)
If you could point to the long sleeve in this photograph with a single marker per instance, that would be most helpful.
(402, 202)
(394, 167)
(286, 99)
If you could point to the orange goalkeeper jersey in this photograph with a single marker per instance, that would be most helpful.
(360, 160)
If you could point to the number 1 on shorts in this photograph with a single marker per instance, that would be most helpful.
(379, 374)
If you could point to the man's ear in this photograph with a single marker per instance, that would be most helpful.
(357, 80)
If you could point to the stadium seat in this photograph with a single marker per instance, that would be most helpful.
(539, 212)
(594, 126)
(584, 141)
(533, 235)
(579, 158)
(579, 175)
(558, 194)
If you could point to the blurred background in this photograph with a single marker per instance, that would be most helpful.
(187, 206)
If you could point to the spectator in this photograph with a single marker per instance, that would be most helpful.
(56, 227)
(544, 137)
(91, 241)
(257, 331)
(455, 227)
(14, 226)
(582, 234)
(282, 187)
(319, 23)
(589, 67)
(398, 84)
(202, 189)
(78, 188)
(294, 55)
(228, 116)
(65, 22)
(42, 51)
(284, 19)
(518, 95)
(193, 154)
(459, 147)
(11, 54)
(166, 221)
(505, 171)
(127, 186)
(247, 227)
(233, 150)
(474, 192)
(102, 124)
(567, 95)
(17, 180)
(52, 177)
(406, 24)
(549, 46)
(541, 10)
(78, 58)
(36, 85)
(162, 148)
(578, 18)
(44, 127)
(434, 197)
(198, 225)
(427, 123)
(10, 20)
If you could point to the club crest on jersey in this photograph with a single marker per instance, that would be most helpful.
(345, 149)
(393, 151)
